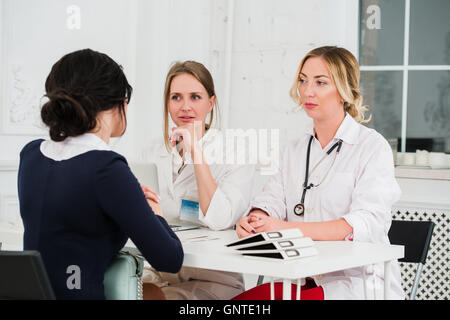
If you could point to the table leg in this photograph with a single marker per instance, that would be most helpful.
(365, 282)
(287, 289)
(387, 279)
(299, 285)
(272, 290)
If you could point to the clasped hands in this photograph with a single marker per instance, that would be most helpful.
(259, 221)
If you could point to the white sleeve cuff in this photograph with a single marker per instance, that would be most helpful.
(219, 215)
(360, 230)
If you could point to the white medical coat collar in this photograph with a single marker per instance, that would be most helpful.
(348, 131)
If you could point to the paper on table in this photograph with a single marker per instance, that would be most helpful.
(196, 238)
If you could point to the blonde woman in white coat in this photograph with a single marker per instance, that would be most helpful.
(349, 190)
(191, 166)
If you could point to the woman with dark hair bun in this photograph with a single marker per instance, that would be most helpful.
(79, 201)
(80, 86)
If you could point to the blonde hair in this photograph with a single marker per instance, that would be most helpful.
(198, 71)
(344, 70)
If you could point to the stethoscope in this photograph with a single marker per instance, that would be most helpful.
(299, 209)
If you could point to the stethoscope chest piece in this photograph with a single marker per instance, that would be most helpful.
(299, 209)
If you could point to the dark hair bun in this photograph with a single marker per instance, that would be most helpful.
(80, 86)
(66, 116)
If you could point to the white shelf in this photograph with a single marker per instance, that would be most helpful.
(422, 173)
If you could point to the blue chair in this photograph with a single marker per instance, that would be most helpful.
(123, 277)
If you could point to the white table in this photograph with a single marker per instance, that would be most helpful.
(333, 256)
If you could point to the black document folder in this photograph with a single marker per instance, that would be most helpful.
(284, 244)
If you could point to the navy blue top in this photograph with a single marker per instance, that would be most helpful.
(81, 212)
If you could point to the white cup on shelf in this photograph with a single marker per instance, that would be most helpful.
(408, 159)
(437, 159)
(422, 158)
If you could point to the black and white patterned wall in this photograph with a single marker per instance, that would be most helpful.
(435, 280)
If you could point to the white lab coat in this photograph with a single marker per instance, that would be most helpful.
(229, 203)
(234, 181)
(361, 188)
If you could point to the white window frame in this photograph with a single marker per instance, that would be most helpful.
(405, 68)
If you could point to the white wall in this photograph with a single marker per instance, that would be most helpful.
(251, 47)
(35, 35)
(268, 40)
(167, 31)
(264, 53)
(271, 37)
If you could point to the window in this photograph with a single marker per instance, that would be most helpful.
(404, 54)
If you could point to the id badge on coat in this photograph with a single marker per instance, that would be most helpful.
(189, 211)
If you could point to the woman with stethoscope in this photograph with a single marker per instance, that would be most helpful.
(195, 181)
(337, 182)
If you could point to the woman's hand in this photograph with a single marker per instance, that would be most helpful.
(149, 193)
(190, 133)
(261, 222)
(243, 227)
(246, 225)
(155, 207)
(152, 199)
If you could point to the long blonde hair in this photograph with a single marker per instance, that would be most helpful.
(199, 71)
(344, 70)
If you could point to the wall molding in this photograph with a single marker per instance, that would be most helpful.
(8, 166)
(10, 212)
(438, 206)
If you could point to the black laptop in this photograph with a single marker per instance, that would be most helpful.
(23, 276)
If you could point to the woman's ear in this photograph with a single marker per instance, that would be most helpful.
(341, 100)
(212, 101)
